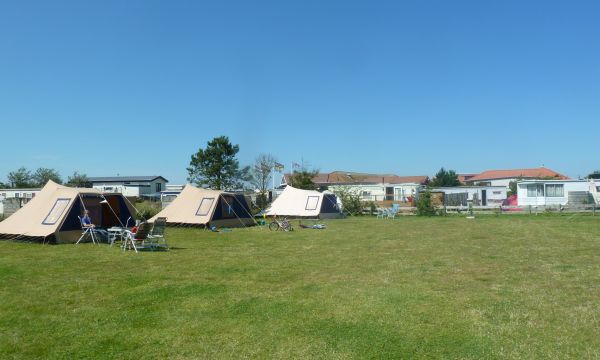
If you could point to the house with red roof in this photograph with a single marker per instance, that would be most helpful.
(505, 177)
(371, 187)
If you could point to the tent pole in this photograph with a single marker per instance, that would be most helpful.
(137, 212)
(236, 215)
(111, 209)
(251, 217)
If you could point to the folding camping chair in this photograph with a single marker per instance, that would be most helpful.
(393, 211)
(156, 238)
(140, 237)
(88, 231)
(382, 213)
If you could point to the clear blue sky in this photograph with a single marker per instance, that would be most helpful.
(135, 87)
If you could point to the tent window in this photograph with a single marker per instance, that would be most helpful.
(312, 202)
(57, 210)
(205, 206)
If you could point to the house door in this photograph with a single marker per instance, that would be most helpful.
(389, 193)
(484, 197)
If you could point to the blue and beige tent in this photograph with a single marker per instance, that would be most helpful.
(202, 207)
(52, 215)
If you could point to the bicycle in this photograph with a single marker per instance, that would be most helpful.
(283, 224)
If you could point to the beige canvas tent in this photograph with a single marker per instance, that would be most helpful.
(300, 203)
(51, 216)
(202, 207)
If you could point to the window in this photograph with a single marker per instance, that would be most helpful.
(56, 212)
(158, 187)
(555, 190)
(205, 206)
(497, 192)
(17, 195)
(312, 202)
(535, 190)
(366, 195)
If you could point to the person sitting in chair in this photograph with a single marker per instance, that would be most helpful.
(86, 222)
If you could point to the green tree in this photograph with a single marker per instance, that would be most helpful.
(424, 205)
(262, 172)
(594, 175)
(42, 175)
(216, 166)
(79, 180)
(303, 179)
(20, 178)
(512, 187)
(445, 178)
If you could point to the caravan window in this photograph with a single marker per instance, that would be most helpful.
(312, 202)
(56, 212)
(205, 206)
(555, 190)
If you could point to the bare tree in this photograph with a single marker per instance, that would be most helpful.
(262, 173)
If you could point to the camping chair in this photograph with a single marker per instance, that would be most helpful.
(156, 238)
(137, 240)
(393, 211)
(88, 231)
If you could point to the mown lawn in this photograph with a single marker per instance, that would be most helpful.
(493, 287)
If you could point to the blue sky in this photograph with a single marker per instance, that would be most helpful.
(405, 87)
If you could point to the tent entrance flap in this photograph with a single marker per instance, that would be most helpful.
(115, 211)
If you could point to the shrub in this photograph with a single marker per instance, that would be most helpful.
(424, 205)
(351, 201)
(147, 209)
(372, 207)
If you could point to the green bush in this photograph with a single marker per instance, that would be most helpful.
(424, 205)
(147, 209)
(372, 207)
(351, 201)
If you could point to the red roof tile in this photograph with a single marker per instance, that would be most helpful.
(463, 178)
(541, 172)
(344, 177)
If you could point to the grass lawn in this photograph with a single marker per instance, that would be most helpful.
(494, 287)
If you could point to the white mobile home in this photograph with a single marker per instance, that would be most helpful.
(557, 192)
(137, 186)
(476, 195)
(19, 197)
(371, 187)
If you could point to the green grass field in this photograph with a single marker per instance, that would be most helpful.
(493, 287)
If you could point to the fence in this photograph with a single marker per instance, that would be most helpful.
(535, 210)
(505, 210)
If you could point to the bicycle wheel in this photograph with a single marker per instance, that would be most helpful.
(274, 226)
